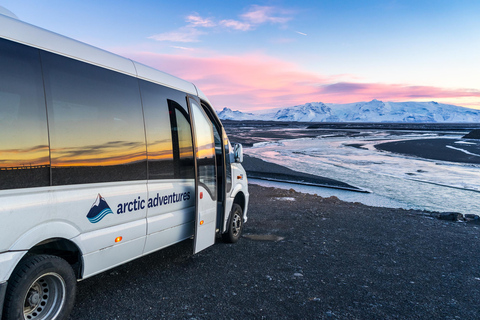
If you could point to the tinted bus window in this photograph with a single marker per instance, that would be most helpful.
(205, 150)
(96, 123)
(24, 151)
(158, 129)
(182, 141)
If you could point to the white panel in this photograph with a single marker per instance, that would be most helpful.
(171, 210)
(113, 256)
(145, 72)
(202, 96)
(8, 261)
(171, 219)
(7, 13)
(45, 230)
(240, 185)
(66, 204)
(165, 211)
(92, 241)
(206, 221)
(168, 237)
(228, 209)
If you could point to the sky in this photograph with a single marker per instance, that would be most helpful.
(253, 55)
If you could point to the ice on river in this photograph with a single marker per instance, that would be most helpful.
(414, 183)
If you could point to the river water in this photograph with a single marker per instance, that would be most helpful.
(397, 180)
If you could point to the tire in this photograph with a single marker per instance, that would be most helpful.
(235, 225)
(40, 287)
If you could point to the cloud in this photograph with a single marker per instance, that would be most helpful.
(262, 14)
(237, 25)
(245, 82)
(257, 81)
(182, 48)
(301, 33)
(185, 34)
(188, 33)
(195, 20)
(254, 17)
(365, 91)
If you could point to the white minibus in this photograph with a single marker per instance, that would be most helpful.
(102, 160)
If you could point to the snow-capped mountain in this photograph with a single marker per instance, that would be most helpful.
(229, 114)
(372, 111)
(309, 112)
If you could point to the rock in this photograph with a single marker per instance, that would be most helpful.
(450, 216)
(474, 134)
(470, 217)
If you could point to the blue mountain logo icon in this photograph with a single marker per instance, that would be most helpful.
(100, 209)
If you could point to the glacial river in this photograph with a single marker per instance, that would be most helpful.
(394, 180)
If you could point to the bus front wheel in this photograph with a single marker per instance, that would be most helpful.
(41, 287)
(235, 225)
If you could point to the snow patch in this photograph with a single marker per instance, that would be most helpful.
(464, 151)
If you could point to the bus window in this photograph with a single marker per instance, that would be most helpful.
(182, 141)
(23, 121)
(96, 123)
(158, 131)
(205, 150)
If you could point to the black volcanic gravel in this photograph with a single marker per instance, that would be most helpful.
(331, 260)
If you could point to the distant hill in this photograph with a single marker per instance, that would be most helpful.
(372, 111)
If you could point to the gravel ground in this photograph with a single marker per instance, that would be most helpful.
(303, 257)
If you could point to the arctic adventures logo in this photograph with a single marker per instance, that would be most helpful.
(99, 210)
(100, 207)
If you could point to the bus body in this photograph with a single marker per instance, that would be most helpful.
(103, 160)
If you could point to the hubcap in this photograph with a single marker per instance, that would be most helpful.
(45, 298)
(236, 224)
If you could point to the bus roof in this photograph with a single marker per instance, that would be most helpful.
(22, 32)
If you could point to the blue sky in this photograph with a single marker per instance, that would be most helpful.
(264, 54)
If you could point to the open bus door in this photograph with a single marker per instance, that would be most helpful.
(206, 179)
(224, 170)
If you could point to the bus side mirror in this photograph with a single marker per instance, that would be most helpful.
(238, 152)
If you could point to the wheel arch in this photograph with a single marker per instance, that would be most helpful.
(62, 248)
(240, 200)
(50, 238)
(43, 232)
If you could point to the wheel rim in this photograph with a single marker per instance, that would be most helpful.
(236, 224)
(45, 297)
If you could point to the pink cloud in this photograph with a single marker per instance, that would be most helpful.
(195, 20)
(261, 14)
(257, 15)
(351, 92)
(244, 82)
(184, 34)
(254, 17)
(237, 25)
(257, 81)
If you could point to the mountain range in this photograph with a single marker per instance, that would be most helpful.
(372, 111)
